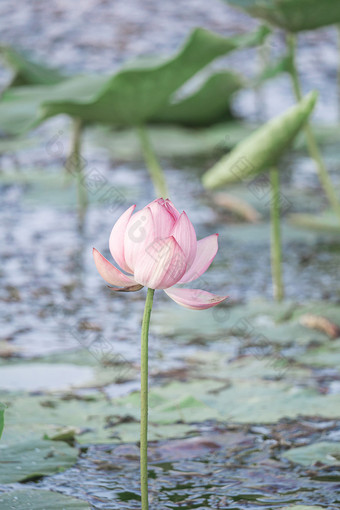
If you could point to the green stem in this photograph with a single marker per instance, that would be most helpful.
(144, 401)
(263, 56)
(74, 165)
(276, 248)
(152, 163)
(310, 137)
(338, 74)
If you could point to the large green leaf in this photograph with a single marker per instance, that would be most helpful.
(274, 69)
(27, 72)
(208, 105)
(36, 499)
(293, 15)
(263, 148)
(132, 96)
(22, 108)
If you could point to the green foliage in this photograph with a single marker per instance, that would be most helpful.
(27, 72)
(208, 105)
(136, 94)
(263, 148)
(40, 500)
(274, 69)
(293, 15)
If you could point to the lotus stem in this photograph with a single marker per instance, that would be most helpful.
(338, 74)
(263, 56)
(74, 166)
(276, 247)
(155, 170)
(310, 137)
(144, 401)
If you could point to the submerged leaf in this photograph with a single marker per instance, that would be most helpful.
(263, 148)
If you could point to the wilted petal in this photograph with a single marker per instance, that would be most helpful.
(116, 242)
(163, 220)
(110, 273)
(162, 265)
(195, 299)
(206, 251)
(185, 235)
(139, 234)
(132, 288)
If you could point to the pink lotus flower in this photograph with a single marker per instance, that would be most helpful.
(157, 248)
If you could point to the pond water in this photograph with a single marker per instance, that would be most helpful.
(68, 341)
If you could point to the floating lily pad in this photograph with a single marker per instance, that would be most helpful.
(326, 452)
(255, 320)
(2, 418)
(34, 499)
(327, 222)
(243, 391)
(327, 355)
(56, 189)
(34, 458)
(321, 308)
(303, 507)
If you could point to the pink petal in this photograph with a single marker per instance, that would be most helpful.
(168, 205)
(206, 251)
(195, 299)
(163, 220)
(116, 242)
(162, 265)
(171, 208)
(110, 273)
(139, 234)
(185, 235)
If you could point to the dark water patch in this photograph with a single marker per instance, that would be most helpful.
(207, 474)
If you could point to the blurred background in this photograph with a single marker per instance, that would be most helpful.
(68, 345)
